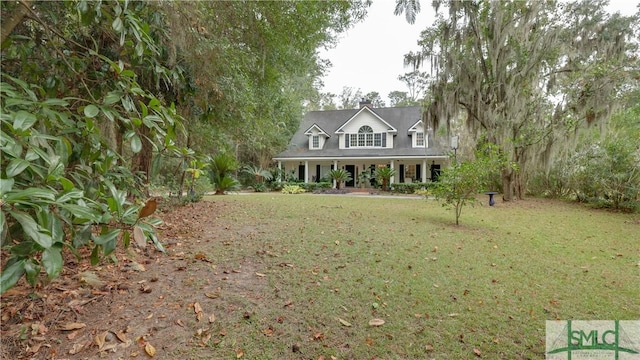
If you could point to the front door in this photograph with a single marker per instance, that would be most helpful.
(435, 172)
(401, 173)
(301, 172)
(351, 169)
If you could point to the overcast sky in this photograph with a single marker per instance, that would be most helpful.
(370, 55)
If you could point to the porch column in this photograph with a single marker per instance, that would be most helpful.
(424, 171)
(335, 167)
(279, 171)
(306, 171)
(393, 178)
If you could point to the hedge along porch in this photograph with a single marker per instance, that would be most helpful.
(360, 140)
(407, 170)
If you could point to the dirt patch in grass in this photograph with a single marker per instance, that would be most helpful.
(144, 302)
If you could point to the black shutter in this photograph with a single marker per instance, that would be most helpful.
(384, 139)
(346, 140)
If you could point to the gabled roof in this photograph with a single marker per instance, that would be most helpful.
(308, 132)
(390, 128)
(400, 118)
(413, 127)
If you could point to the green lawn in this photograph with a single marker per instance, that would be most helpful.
(444, 292)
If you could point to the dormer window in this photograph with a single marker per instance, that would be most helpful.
(418, 135)
(317, 137)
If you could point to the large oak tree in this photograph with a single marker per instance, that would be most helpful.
(527, 74)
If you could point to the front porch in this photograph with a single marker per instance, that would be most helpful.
(420, 170)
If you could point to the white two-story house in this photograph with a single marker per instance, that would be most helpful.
(360, 140)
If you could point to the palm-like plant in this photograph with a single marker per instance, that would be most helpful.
(221, 167)
(259, 174)
(384, 174)
(340, 176)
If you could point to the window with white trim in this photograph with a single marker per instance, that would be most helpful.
(366, 138)
(315, 141)
(420, 139)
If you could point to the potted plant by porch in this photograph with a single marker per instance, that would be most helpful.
(340, 176)
(364, 179)
(384, 174)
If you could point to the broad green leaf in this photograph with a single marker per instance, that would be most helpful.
(57, 231)
(136, 144)
(32, 229)
(112, 97)
(70, 195)
(95, 255)
(109, 246)
(16, 166)
(82, 237)
(39, 194)
(153, 221)
(52, 261)
(23, 120)
(157, 243)
(24, 248)
(10, 275)
(131, 211)
(117, 25)
(91, 111)
(107, 236)
(63, 149)
(126, 238)
(3, 224)
(67, 185)
(81, 212)
(31, 155)
(55, 102)
(140, 49)
(32, 270)
(6, 185)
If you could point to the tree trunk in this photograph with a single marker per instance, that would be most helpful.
(507, 184)
(14, 19)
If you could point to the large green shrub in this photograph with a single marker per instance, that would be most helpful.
(61, 185)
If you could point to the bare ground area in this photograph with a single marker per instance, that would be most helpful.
(145, 303)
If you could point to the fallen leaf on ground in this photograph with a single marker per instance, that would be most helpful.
(212, 318)
(197, 308)
(260, 274)
(239, 353)
(76, 348)
(477, 352)
(33, 349)
(212, 295)
(428, 347)
(376, 322)
(121, 336)
(369, 341)
(100, 339)
(149, 349)
(344, 322)
(72, 326)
